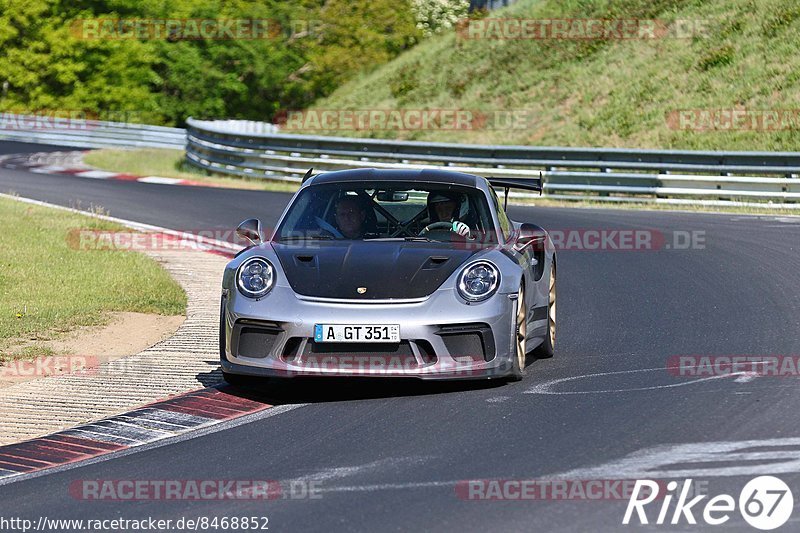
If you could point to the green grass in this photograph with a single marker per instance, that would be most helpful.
(601, 93)
(172, 164)
(48, 287)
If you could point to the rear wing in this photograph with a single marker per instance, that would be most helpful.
(528, 184)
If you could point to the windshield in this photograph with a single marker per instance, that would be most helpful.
(389, 211)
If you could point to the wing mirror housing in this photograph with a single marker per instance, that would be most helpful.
(251, 230)
(530, 235)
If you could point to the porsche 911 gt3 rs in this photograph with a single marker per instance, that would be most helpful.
(391, 273)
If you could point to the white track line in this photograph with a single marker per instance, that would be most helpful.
(546, 387)
(48, 170)
(97, 174)
(160, 180)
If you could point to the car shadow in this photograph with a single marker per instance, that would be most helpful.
(211, 378)
(282, 391)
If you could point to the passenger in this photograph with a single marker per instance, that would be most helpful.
(445, 207)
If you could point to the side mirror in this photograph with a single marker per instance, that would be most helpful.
(250, 230)
(530, 235)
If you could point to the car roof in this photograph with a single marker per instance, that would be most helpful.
(373, 174)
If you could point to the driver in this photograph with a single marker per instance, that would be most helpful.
(350, 216)
(445, 207)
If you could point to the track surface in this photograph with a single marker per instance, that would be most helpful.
(388, 455)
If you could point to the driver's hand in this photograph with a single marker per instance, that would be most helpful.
(461, 228)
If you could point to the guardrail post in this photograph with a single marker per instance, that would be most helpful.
(604, 170)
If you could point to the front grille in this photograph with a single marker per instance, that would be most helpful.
(468, 342)
(291, 348)
(464, 347)
(359, 354)
(254, 340)
(351, 348)
(426, 351)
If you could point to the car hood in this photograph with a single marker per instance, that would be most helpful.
(368, 270)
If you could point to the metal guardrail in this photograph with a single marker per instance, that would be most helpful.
(88, 133)
(257, 150)
(663, 176)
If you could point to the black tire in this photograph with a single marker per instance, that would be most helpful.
(222, 329)
(547, 348)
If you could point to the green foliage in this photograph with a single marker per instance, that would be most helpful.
(46, 63)
(781, 17)
(404, 81)
(357, 35)
(716, 57)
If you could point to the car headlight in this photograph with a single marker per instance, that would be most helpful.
(478, 281)
(255, 277)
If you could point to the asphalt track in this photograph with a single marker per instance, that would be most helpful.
(389, 456)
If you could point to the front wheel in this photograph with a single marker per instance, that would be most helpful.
(521, 331)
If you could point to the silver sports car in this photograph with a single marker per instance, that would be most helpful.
(401, 273)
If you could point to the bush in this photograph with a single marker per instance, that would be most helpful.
(48, 65)
(435, 16)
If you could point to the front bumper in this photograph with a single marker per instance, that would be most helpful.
(441, 337)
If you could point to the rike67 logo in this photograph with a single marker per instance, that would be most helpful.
(765, 503)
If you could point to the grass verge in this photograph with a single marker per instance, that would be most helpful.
(48, 288)
(172, 164)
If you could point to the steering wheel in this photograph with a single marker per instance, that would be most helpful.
(436, 226)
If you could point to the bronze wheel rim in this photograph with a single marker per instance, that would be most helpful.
(522, 328)
(551, 311)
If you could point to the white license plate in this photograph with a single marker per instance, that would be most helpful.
(357, 333)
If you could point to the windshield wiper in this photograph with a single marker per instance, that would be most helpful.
(306, 238)
(397, 239)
